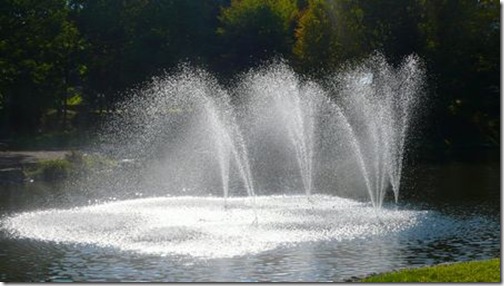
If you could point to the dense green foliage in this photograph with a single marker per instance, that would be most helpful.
(58, 56)
(464, 272)
(38, 46)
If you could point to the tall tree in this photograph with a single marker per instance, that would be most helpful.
(37, 48)
(329, 33)
(462, 48)
(166, 33)
(130, 40)
(106, 27)
(255, 30)
(391, 27)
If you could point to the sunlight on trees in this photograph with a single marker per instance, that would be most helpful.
(55, 49)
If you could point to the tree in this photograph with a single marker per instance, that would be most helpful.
(462, 45)
(166, 33)
(252, 31)
(328, 33)
(130, 41)
(106, 27)
(391, 27)
(37, 46)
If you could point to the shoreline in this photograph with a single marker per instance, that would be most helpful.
(13, 163)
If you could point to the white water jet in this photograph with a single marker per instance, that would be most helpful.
(180, 131)
(271, 132)
(281, 106)
(380, 102)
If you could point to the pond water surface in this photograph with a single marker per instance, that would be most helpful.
(451, 213)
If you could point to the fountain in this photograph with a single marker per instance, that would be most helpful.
(264, 145)
(344, 136)
(275, 178)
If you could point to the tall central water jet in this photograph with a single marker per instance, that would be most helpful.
(284, 107)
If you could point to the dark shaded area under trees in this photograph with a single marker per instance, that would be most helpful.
(64, 63)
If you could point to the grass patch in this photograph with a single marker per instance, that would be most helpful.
(473, 271)
(74, 164)
(50, 170)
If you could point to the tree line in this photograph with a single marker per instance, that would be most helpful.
(58, 55)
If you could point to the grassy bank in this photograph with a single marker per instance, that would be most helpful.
(473, 271)
(73, 164)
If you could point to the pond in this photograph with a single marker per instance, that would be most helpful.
(449, 211)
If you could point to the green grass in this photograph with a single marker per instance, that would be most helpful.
(473, 271)
(50, 170)
(73, 164)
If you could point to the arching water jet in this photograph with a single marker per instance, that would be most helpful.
(346, 136)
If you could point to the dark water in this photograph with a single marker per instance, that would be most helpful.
(462, 196)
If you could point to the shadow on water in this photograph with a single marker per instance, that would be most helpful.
(455, 177)
(31, 196)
